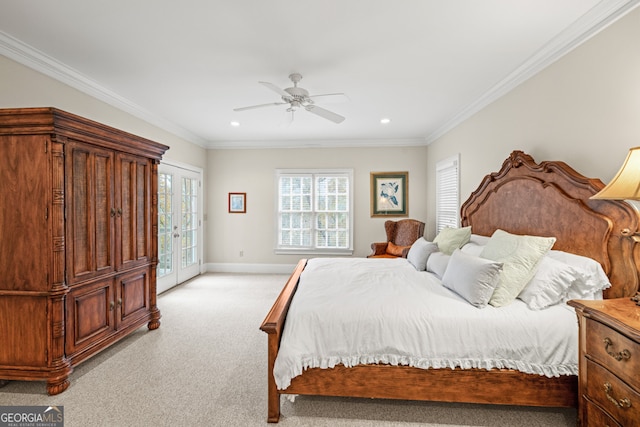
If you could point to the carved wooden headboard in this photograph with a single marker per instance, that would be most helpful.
(552, 199)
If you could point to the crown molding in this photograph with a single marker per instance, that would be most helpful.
(320, 143)
(595, 20)
(28, 56)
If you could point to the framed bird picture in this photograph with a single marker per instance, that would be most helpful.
(389, 194)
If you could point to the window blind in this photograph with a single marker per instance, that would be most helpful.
(448, 193)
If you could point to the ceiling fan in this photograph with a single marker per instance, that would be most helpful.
(298, 97)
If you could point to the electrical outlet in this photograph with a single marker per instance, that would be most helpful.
(241, 252)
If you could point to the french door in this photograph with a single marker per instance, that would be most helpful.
(179, 225)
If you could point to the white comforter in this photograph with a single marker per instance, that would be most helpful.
(362, 311)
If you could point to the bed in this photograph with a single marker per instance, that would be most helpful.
(523, 198)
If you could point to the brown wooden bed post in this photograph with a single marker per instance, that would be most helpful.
(273, 325)
(273, 402)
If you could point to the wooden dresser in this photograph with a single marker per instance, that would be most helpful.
(609, 379)
(78, 241)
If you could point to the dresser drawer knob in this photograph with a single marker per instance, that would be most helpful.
(621, 355)
(622, 403)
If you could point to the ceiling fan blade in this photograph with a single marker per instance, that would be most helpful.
(326, 114)
(258, 106)
(276, 89)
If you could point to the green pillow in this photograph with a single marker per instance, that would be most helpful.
(449, 239)
(520, 255)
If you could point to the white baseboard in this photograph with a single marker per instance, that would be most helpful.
(249, 268)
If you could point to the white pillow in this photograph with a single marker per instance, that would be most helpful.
(520, 255)
(472, 249)
(471, 277)
(478, 239)
(549, 284)
(592, 278)
(419, 253)
(437, 263)
(449, 239)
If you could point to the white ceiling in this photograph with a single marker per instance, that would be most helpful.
(185, 65)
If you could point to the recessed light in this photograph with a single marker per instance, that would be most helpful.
(385, 121)
(235, 124)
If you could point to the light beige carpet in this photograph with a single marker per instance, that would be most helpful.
(206, 366)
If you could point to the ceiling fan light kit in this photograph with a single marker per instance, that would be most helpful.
(298, 97)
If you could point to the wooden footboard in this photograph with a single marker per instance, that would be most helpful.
(497, 386)
(273, 325)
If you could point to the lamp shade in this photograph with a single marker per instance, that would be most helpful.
(626, 184)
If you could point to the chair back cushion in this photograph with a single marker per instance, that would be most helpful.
(404, 232)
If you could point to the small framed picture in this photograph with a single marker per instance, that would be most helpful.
(237, 202)
(389, 194)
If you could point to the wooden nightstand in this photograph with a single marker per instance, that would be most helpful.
(609, 364)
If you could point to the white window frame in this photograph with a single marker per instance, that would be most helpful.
(313, 249)
(448, 193)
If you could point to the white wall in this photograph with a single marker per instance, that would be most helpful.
(253, 172)
(584, 110)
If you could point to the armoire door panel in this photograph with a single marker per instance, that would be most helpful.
(80, 206)
(133, 295)
(90, 314)
(91, 194)
(104, 212)
(142, 210)
(134, 200)
(126, 209)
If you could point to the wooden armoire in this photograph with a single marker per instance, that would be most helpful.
(78, 241)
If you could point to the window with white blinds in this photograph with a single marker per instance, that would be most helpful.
(448, 193)
(314, 211)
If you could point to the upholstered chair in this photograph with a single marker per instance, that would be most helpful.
(400, 236)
